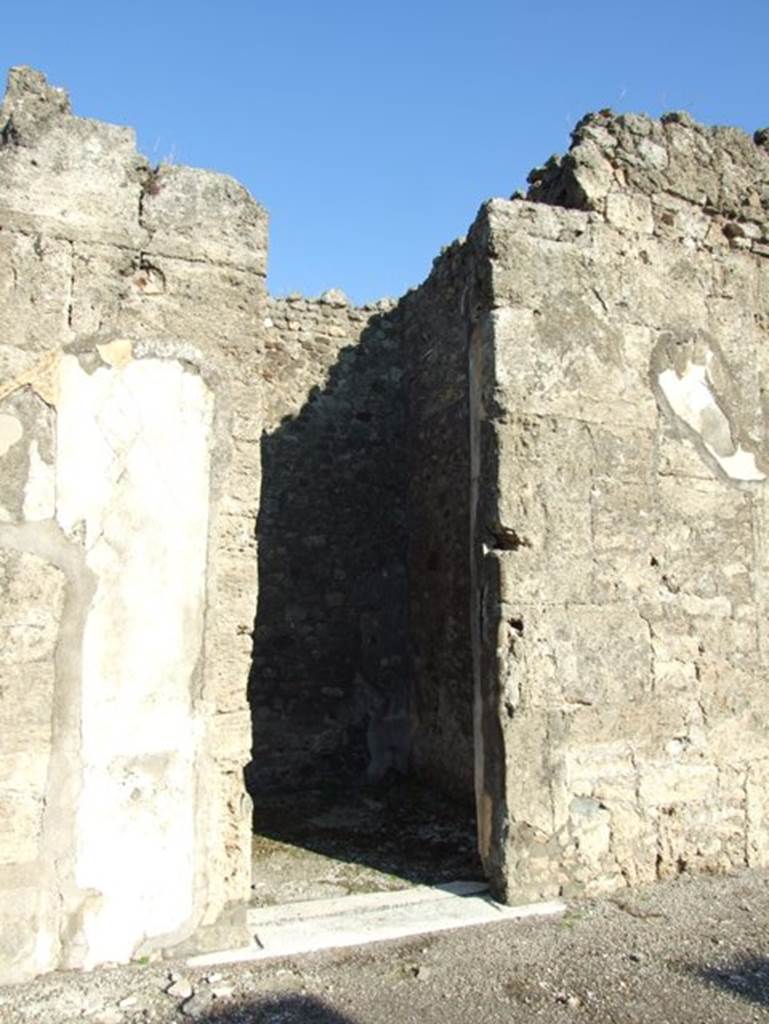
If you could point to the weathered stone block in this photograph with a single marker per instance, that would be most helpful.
(35, 299)
(23, 940)
(209, 305)
(669, 784)
(703, 544)
(231, 739)
(621, 453)
(195, 214)
(581, 655)
(31, 599)
(538, 520)
(66, 176)
(23, 778)
(629, 212)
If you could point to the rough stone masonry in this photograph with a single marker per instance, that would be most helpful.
(619, 371)
(129, 433)
(510, 532)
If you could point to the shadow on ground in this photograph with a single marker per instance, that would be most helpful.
(747, 978)
(278, 1010)
(399, 829)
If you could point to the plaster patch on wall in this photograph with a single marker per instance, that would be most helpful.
(40, 490)
(116, 353)
(11, 432)
(145, 512)
(690, 390)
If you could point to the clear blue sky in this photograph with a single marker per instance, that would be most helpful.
(373, 131)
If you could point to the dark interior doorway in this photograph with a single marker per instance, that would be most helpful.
(337, 803)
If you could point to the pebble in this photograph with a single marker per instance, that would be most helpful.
(108, 1016)
(180, 988)
(334, 297)
(197, 1004)
(571, 1001)
(92, 1005)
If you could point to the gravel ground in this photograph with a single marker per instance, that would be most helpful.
(689, 950)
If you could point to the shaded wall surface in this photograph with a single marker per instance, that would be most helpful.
(435, 321)
(621, 436)
(129, 441)
(329, 686)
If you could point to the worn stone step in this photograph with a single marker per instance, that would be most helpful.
(313, 925)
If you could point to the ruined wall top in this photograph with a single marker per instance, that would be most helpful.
(722, 170)
(83, 181)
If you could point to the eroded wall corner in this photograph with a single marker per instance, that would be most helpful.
(620, 539)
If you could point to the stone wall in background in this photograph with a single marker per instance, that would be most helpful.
(435, 319)
(621, 374)
(129, 443)
(329, 686)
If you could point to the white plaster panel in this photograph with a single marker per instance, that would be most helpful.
(133, 469)
(691, 399)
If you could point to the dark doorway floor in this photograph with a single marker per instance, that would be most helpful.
(330, 841)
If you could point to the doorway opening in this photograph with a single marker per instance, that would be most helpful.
(348, 702)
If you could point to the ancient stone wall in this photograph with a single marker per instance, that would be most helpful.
(435, 319)
(129, 440)
(329, 689)
(619, 383)
(510, 531)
